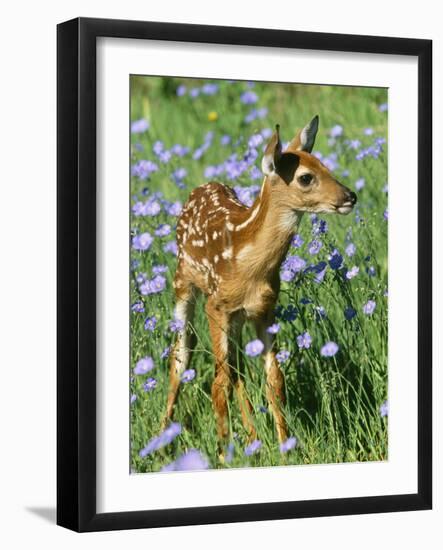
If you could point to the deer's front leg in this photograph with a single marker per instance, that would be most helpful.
(222, 385)
(275, 382)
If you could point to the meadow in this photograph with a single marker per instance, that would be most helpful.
(333, 306)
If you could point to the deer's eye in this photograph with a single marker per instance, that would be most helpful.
(305, 179)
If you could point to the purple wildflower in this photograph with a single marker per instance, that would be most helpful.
(150, 323)
(156, 269)
(133, 398)
(143, 169)
(153, 286)
(181, 90)
(359, 184)
(384, 409)
(350, 313)
(350, 249)
(335, 260)
(329, 349)
(171, 246)
(253, 448)
(142, 242)
(150, 384)
(225, 140)
(249, 97)
(304, 340)
(288, 445)
(209, 89)
(165, 353)
(273, 329)
(353, 272)
(138, 307)
(314, 247)
(139, 126)
(336, 131)
(282, 356)
(190, 461)
(176, 325)
(166, 437)
(369, 307)
(383, 107)
(163, 230)
(144, 365)
(188, 375)
(174, 209)
(297, 241)
(254, 348)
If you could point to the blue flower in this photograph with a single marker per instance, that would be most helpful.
(162, 440)
(192, 460)
(282, 356)
(138, 307)
(384, 409)
(142, 242)
(273, 329)
(253, 448)
(350, 313)
(139, 126)
(150, 384)
(188, 375)
(210, 89)
(181, 90)
(336, 131)
(171, 246)
(153, 286)
(359, 184)
(353, 272)
(163, 230)
(350, 250)
(314, 247)
(254, 348)
(383, 107)
(335, 260)
(290, 313)
(176, 325)
(143, 169)
(288, 445)
(304, 340)
(150, 323)
(297, 241)
(369, 307)
(144, 365)
(329, 349)
(249, 97)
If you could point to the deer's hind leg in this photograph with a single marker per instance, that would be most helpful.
(237, 362)
(275, 382)
(221, 390)
(181, 351)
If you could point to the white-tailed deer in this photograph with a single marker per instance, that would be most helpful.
(232, 254)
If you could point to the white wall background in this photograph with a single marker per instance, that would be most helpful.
(27, 273)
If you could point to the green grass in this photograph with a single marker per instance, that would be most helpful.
(333, 404)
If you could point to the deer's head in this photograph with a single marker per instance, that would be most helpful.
(300, 180)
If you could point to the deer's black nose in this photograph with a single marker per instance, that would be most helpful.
(352, 197)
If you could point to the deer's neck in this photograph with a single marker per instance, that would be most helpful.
(264, 235)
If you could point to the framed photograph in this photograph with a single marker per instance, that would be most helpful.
(244, 274)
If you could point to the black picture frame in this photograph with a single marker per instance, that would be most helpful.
(76, 267)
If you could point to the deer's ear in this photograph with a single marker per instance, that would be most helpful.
(305, 139)
(272, 153)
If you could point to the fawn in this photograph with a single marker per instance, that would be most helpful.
(232, 254)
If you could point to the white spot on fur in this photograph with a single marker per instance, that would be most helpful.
(227, 253)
